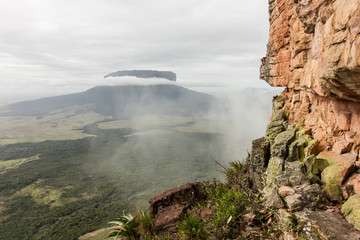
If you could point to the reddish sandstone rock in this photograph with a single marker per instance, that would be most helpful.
(341, 147)
(314, 51)
(167, 217)
(341, 166)
(169, 206)
(354, 183)
(286, 191)
(339, 169)
(186, 195)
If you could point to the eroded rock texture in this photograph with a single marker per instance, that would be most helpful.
(314, 51)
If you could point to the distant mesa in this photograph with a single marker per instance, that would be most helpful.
(122, 102)
(144, 74)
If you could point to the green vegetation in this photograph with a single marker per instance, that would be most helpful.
(145, 226)
(232, 173)
(228, 205)
(125, 227)
(130, 227)
(45, 194)
(10, 164)
(229, 214)
(192, 228)
(76, 186)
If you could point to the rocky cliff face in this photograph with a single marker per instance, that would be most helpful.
(314, 51)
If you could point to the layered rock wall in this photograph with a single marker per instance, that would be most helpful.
(314, 51)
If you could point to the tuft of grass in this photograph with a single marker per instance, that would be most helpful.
(232, 172)
(192, 228)
(145, 224)
(229, 208)
(124, 227)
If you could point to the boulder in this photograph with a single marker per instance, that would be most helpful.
(187, 195)
(354, 181)
(291, 178)
(313, 52)
(274, 128)
(313, 178)
(309, 160)
(166, 218)
(306, 196)
(272, 198)
(281, 143)
(336, 174)
(295, 166)
(285, 191)
(339, 169)
(341, 147)
(296, 150)
(328, 225)
(316, 165)
(255, 166)
(333, 192)
(168, 207)
(295, 202)
(351, 209)
(273, 170)
(279, 115)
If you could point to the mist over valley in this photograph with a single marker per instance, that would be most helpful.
(69, 163)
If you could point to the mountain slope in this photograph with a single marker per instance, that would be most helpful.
(122, 101)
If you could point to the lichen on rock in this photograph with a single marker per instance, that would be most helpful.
(351, 209)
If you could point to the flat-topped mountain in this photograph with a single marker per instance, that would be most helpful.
(122, 101)
(144, 74)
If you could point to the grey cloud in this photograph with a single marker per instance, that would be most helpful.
(65, 42)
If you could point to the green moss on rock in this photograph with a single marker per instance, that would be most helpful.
(333, 192)
(281, 143)
(318, 165)
(274, 169)
(351, 209)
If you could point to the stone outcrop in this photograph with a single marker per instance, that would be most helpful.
(326, 225)
(314, 51)
(255, 166)
(295, 178)
(287, 179)
(168, 207)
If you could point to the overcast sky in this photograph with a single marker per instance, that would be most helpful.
(62, 46)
